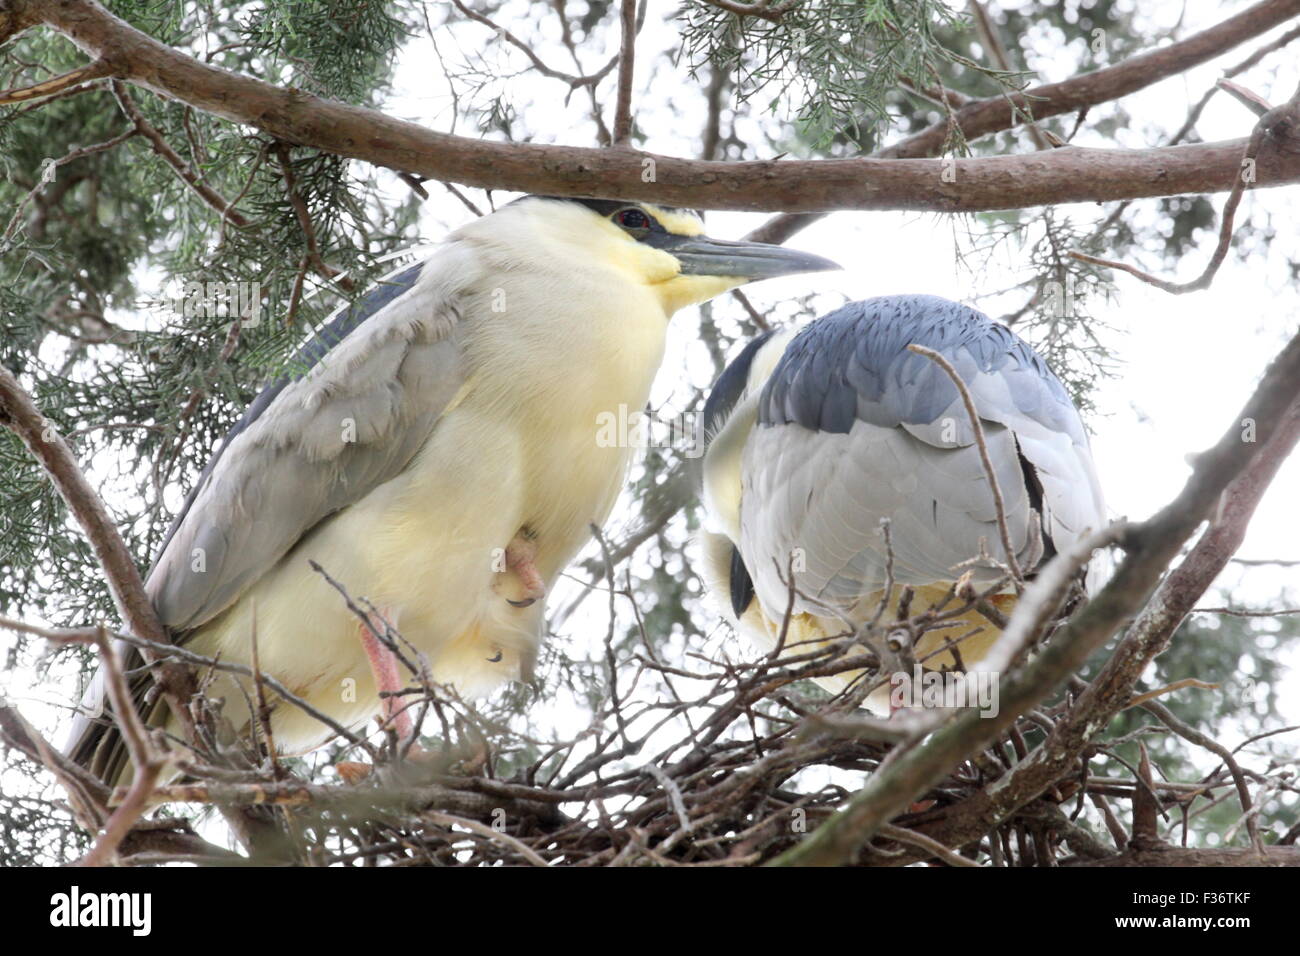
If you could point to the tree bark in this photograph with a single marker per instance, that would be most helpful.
(1057, 176)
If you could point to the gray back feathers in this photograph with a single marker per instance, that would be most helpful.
(852, 428)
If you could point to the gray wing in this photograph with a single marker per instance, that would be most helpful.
(365, 395)
(853, 428)
(376, 380)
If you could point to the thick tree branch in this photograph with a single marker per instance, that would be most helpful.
(995, 114)
(1178, 856)
(1059, 176)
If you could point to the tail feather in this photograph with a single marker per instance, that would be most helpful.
(95, 742)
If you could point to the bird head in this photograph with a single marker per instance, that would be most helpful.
(662, 248)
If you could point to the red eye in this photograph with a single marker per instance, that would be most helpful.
(632, 219)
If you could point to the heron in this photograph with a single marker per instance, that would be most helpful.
(433, 451)
(841, 467)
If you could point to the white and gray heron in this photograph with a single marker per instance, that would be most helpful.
(815, 436)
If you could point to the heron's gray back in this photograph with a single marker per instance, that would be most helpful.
(359, 402)
(853, 428)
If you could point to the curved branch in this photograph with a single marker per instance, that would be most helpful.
(1079, 93)
(969, 185)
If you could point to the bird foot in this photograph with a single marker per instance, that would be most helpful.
(383, 665)
(352, 772)
(519, 558)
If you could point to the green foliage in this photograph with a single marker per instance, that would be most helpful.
(97, 252)
(829, 63)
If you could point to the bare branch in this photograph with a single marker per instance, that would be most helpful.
(173, 158)
(626, 69)
(19, 413)
(1283, 118)
(989, 472)
(145, 758)
(758, 9)
(1061, 175)
(57, 84)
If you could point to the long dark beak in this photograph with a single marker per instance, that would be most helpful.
(702, 256)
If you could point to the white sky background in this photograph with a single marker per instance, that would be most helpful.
(1187, 364)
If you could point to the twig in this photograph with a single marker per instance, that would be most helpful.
(145, 758)
(1239, 612)
(1247, 98)
(538, 63)
(1170, 688)
(326, 271)
(904, 835)
(1242, 181)
(173, 159)
(758, 9)
(47, 176)
(1193, 735)
(156, 651)
(974, 415)
(626, 66)
(19, 413)
(57, 84)
(447, 820)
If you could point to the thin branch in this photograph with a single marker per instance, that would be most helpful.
(758, 9)
(173, 158)
(626, 68)
(327, 272)
(973, 413)
(538, 63)
(904, 835)
(48, 175)
(1192, 735)
(19, 413)
(448, 820)
(1284, 117)
(145, 758)
(57, 84)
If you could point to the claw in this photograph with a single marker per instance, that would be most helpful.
(519, 559)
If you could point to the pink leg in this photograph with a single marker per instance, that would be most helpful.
(383, 664)
(519, 558)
